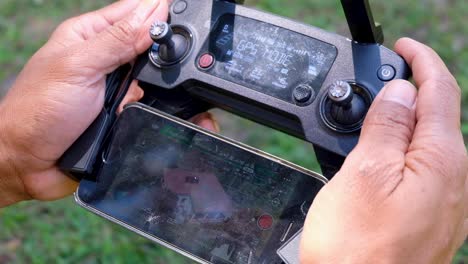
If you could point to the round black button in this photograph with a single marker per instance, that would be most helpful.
(179, 7)
(303, 93)
(386, 73)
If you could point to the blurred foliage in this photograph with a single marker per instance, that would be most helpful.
(61, 232)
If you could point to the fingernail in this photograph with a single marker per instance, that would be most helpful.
(216, 124)
(210, 120)
(401, 92)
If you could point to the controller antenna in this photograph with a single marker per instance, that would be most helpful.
(361, 22)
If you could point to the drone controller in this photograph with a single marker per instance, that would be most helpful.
(299, 79)
(293, 77)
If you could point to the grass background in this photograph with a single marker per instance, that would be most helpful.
(61, 232)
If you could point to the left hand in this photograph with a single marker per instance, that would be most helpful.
(61, 91)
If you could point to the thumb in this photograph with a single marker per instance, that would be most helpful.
(124, 40)
(390, 122)
(374, 168)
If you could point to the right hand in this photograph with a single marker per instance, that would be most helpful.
(402, 194)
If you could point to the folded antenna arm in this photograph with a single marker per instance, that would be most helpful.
(361, 23)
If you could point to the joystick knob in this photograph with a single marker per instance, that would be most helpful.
(347, 108)
(341, 93)
(172, 46)
(161, 33)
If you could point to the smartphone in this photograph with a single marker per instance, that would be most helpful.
(205, 196)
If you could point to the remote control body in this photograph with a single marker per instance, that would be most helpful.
(233, 81)
(275, 71)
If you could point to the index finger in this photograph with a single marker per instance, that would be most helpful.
(90, 24)
(439, 96)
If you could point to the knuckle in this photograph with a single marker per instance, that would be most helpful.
(447, 84)
(368, 168)
(440, 99)
(378, 165)
(124, 31)
(376, 174)
(455, 200)
(441, 160)
(62, 28)
(67, 24)
(429, 51)
(391, 118)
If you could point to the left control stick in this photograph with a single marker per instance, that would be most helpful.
(172, 46)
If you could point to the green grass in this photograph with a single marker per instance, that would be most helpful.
(26, 24)
(61, 232)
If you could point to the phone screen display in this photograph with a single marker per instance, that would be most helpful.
(198, 193)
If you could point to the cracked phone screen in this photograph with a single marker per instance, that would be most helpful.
(197, 193)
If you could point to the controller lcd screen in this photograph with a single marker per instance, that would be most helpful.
(198, 193)
(267, 58)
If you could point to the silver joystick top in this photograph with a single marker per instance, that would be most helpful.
(341, 93)
(172, 46)
(161, 32)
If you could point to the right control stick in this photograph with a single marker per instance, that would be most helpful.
(346, 106)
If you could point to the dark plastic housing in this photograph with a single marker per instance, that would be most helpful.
(185, 89)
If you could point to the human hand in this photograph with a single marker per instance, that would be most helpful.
(402, 194)
(61, 91)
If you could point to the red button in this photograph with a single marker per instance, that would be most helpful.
(265, 222)
(206, 60)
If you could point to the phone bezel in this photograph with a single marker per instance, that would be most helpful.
(206, 132)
